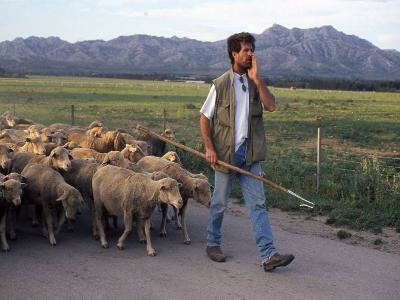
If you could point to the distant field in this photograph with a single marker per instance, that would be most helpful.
(360, 175)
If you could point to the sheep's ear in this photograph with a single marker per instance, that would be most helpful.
(23, 179)
(62, 197)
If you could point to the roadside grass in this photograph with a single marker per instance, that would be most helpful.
(360, 159)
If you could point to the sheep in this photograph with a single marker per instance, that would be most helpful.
(48, 189)
(157, 146)
(12, 213)
(192, 187)
(81, 172)
(129, 139)
(7, 120)
(108, 141)
(34, 145)
(11, 191)
(130, 152)
(172, 156)
(6, 155)
(132, 195)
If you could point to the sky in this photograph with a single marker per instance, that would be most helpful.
(377, 21)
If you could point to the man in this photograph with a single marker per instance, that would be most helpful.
(233, 131)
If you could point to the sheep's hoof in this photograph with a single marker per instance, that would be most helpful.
(187, 242)
(35, 224)
(105, 246)
(53, 244)
(6, 249)
(163, 234)
(142, 241)
(152, 253)
(178, 227)
(120, 247)
(12, 236)
(96, 237)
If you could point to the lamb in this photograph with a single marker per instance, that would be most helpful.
(47, 188)
(34, 145)
(125, 193)
(11, 191)
(7, 120)
(197, 188)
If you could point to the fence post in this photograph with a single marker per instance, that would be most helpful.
(164, 119)
(14, 109)
(72, 114)
(318, 156)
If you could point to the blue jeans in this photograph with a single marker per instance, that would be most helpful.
(254, 197)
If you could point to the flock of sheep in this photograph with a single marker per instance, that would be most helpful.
(52, 171)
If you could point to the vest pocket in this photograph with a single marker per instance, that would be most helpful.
(256, 108)
(223, 115)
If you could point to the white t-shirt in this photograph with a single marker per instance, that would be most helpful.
(241, 108)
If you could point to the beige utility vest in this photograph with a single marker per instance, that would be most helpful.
(223, 122)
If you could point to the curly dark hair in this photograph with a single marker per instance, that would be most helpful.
(235, 40)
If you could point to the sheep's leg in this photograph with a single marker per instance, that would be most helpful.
(182, 213)
(127, 231)
(11, 223)
(61, 221)
(177, 220)
(139, 229)
(4, 244)
(115, 222)
(150, 250)
(32, 212)
(49, 221)
(100, 227)
(164, 210)
(94, 226)
(45, 232)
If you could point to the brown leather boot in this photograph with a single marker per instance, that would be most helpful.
(277, 260)
(215, 253)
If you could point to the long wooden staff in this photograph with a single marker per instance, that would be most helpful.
(226, 165)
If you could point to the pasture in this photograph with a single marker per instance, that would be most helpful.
(360, 159)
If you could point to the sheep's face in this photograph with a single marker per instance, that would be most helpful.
(10, 120)
(72, 203)
(35, 145)
(60, 158)
(169, 134)
(202, 192)
(6, 155)
(171, 156)
(58, 138)
(12, 190)
(169, 192)
(116, 158)
(34, 132)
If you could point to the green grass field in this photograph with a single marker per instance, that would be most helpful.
(360, 159)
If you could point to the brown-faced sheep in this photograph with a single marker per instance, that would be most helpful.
(192, 187)
(6, 156)
(108, 141)
(132, 195)
(157, 146)
(172, 156)
(47, 188)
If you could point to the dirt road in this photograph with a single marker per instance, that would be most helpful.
(78, 268)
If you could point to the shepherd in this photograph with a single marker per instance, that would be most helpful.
(232, 129)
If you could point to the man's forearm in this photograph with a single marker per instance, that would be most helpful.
(205, 130)
(266, 97)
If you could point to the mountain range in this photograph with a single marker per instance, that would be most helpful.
(315, 52)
